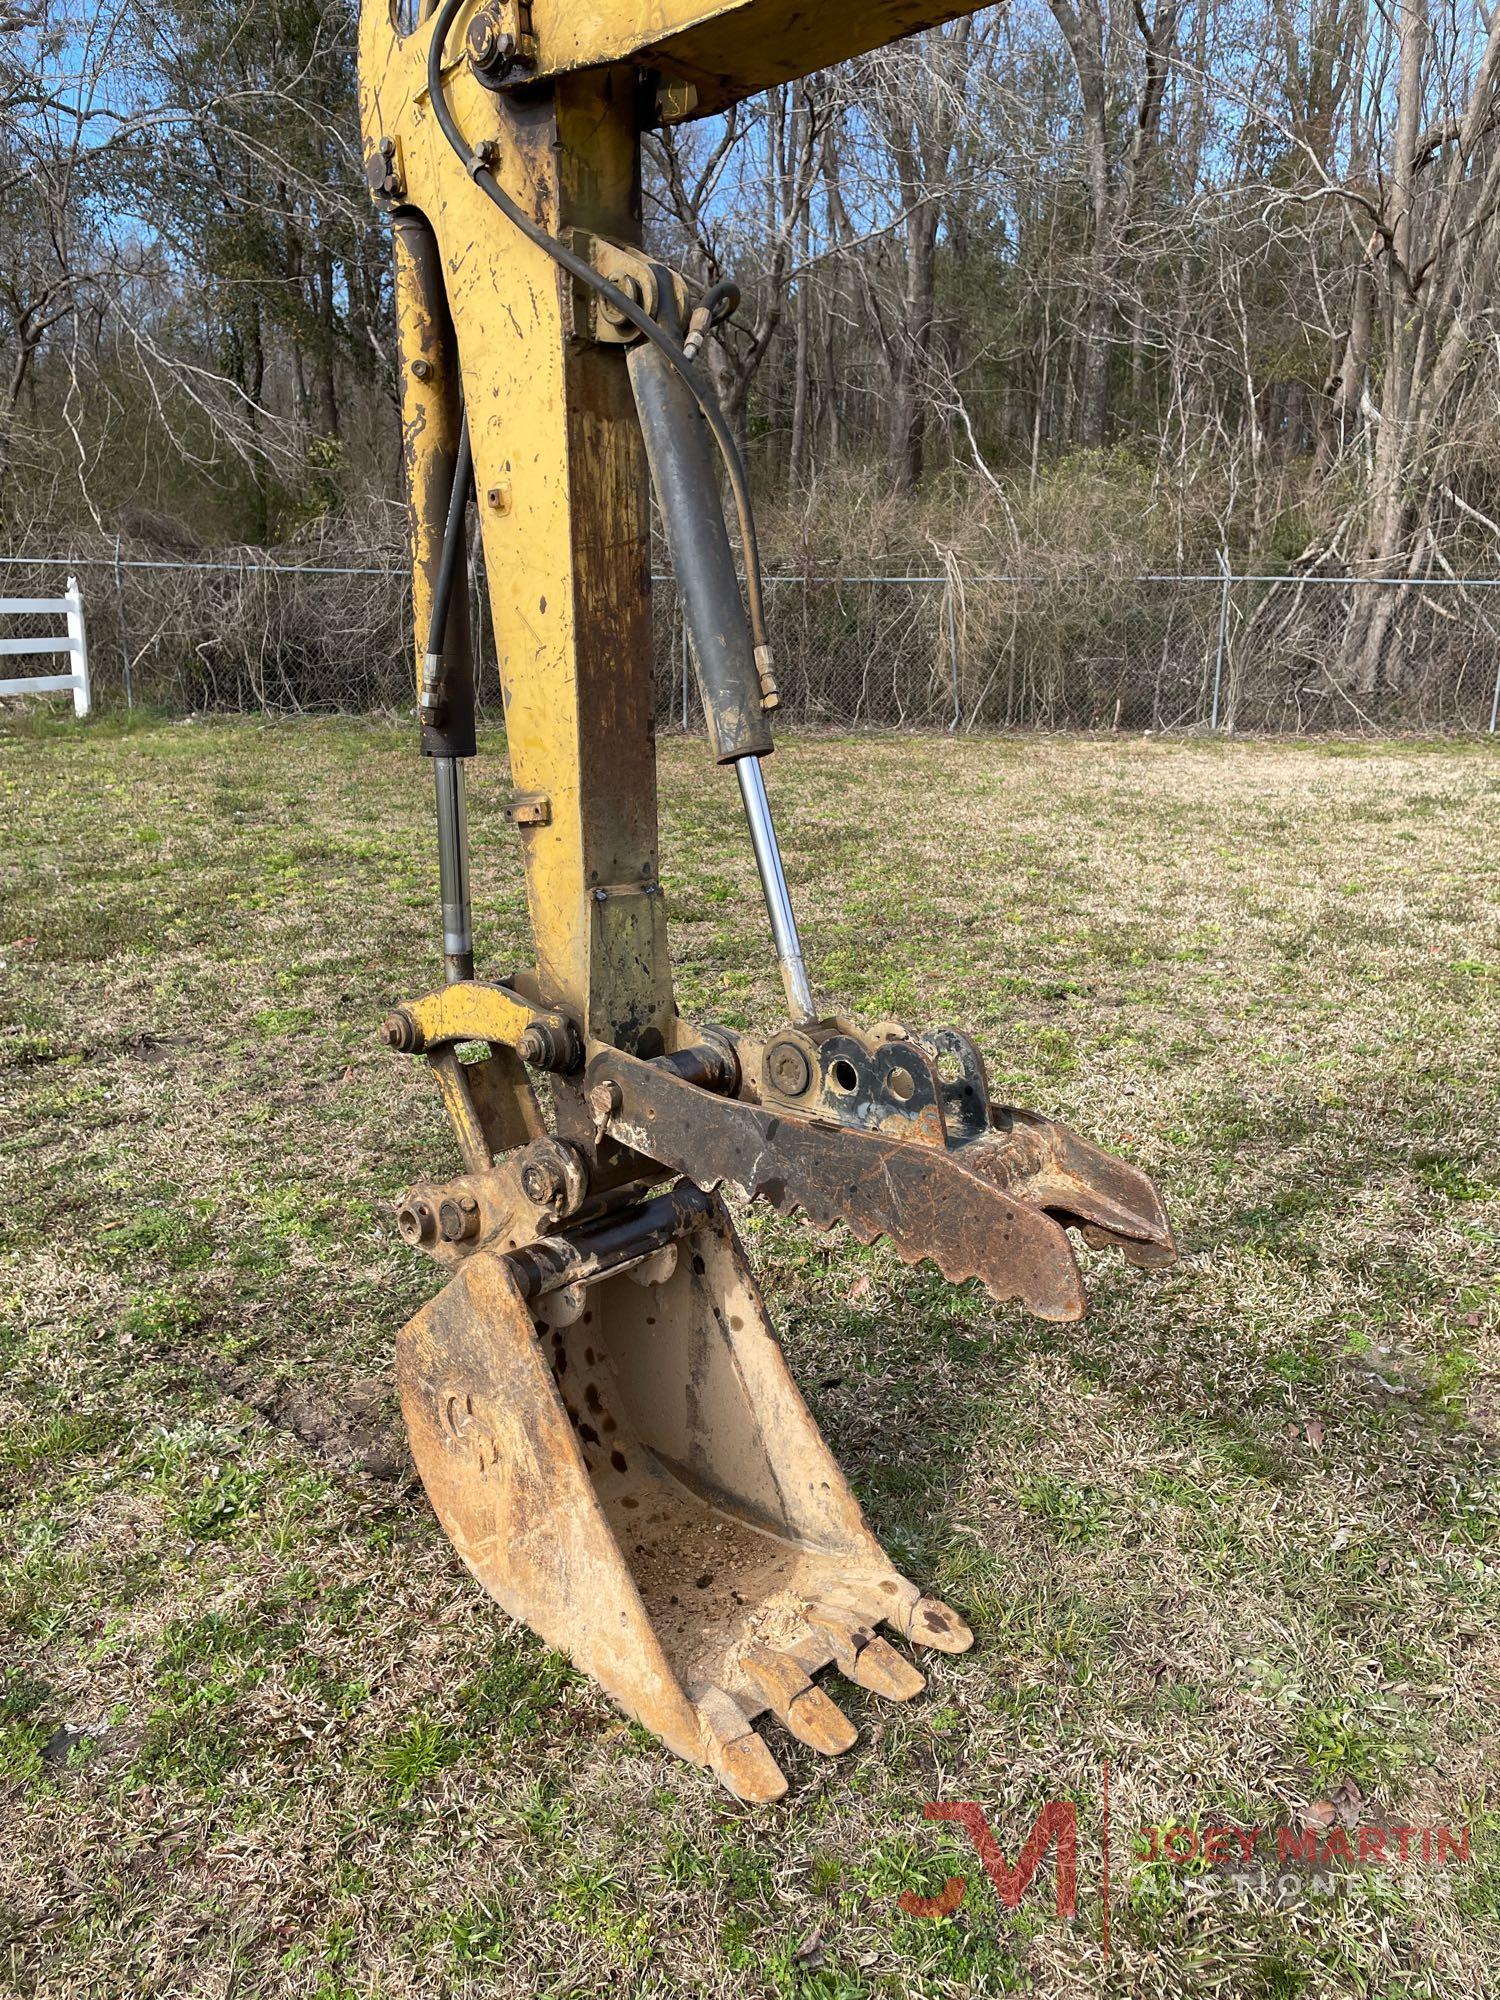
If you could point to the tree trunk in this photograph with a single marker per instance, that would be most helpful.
(1369, 635)
(327, 387)
(908, 419)
(802, 370)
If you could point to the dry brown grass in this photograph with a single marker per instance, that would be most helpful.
(1235, 1535)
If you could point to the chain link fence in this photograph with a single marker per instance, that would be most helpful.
(955, 651)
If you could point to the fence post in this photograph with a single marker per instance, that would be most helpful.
(1223, 635)
(78, 648)
(1495, 702)
(124, 632)
(958, 699)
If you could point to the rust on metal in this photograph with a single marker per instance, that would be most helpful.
(525, 1197)
(601, 1412)
(980, 1209)
(644, 1486)
(871, 1082)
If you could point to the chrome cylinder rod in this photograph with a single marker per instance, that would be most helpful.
(773, 886)
(453, 869)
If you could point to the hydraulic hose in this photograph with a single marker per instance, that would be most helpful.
(628, 308)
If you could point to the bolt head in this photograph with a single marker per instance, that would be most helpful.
(788, 1069)
(422, 370)
(458, 1220)
(397, 1032)
(382, 173)
(489, 48)
(605, 1099)
(540, 1182)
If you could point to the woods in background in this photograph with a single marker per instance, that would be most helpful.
(1066, 278)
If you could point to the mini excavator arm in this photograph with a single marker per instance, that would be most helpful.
(596, 1401)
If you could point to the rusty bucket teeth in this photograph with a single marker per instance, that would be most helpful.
(813, 1717)
(881, 1669)
(929, 1622)
(737, 1754)
(780, 1682)
(863, 1657)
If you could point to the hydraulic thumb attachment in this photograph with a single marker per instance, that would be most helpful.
(989, 1197)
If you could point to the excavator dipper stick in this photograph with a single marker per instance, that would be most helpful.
(596, 1399)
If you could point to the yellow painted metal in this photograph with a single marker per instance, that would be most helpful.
(561, 478)
(613, 1441)
(728, 48)
(470, 1011)
(559, 465)
(463, 1114)
(429, 424)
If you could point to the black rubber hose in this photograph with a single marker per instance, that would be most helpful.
(623, 304)
(723, 300)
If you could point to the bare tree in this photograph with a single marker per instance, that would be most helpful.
(1115, 176)
(770, 157)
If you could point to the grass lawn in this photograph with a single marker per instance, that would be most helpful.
(1235, 1535)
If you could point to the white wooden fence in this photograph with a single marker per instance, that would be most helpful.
(74, 643)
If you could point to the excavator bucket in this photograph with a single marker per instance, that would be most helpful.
(630, 1470)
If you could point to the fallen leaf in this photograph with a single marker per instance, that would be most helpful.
(1314, 1429)
(1323, 1813)
(810, 1951)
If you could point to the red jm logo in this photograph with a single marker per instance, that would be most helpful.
(1056, 1822)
